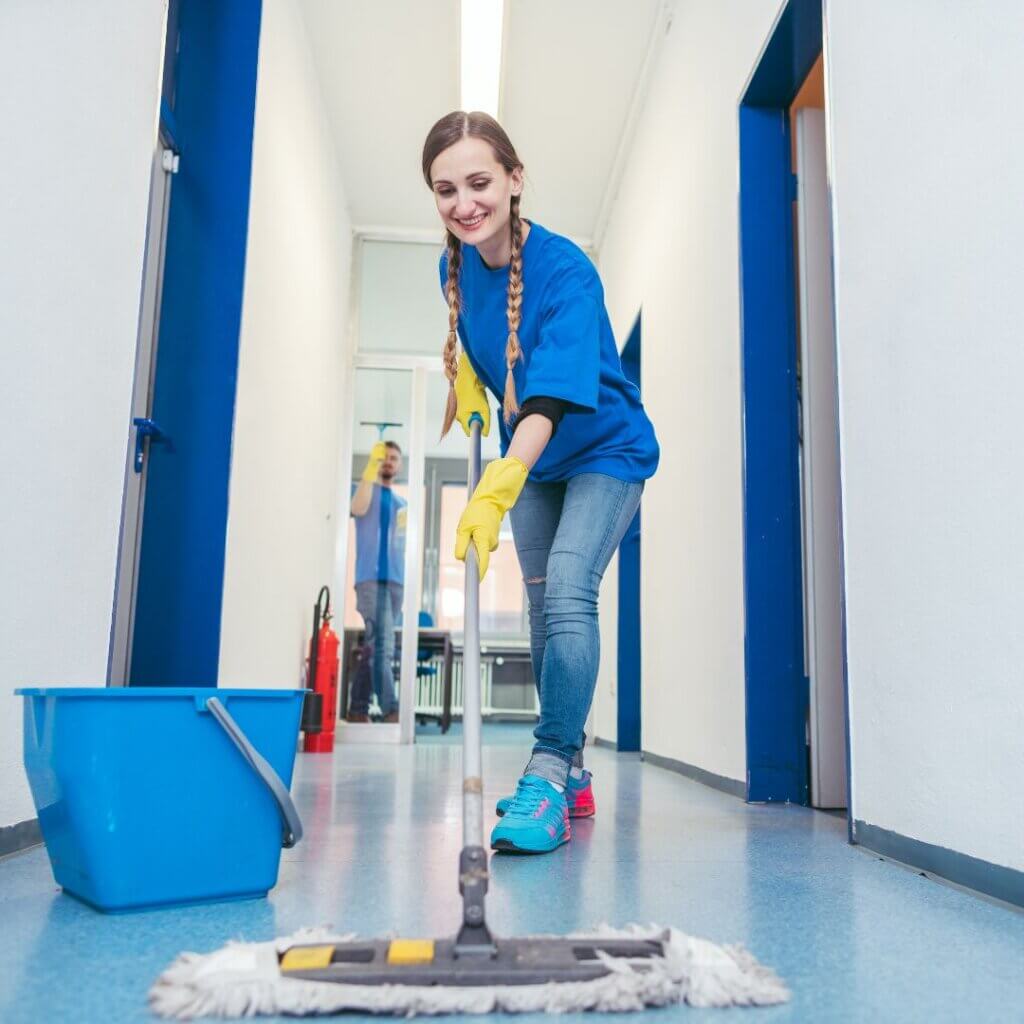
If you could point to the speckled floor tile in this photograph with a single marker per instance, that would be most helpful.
(855, 937)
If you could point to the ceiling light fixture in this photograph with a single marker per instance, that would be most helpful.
(481, 54)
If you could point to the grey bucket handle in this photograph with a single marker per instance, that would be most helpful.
(291, 823)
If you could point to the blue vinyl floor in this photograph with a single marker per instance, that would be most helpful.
(856, 938)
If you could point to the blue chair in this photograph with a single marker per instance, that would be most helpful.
(423, 666)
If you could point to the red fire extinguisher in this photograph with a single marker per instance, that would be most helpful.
(322, 678)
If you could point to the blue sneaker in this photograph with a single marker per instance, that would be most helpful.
(536, 819)
(579, 795)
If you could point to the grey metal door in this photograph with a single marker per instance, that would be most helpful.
(143, 430)
(823, 627)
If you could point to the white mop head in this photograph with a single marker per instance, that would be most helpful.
(243, 980)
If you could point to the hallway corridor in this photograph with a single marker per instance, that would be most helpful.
(855, 938)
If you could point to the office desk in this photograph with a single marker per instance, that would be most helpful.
(432, 640)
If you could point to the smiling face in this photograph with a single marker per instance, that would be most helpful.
(473, 192)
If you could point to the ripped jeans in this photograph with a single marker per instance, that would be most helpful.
(565, 535)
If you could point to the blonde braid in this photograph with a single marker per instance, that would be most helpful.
(450, 353)
(513, 353)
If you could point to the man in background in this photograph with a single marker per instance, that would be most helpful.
(380, 517)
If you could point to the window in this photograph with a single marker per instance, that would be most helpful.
(502, 597)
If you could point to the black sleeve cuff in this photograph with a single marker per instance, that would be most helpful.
(540, 405)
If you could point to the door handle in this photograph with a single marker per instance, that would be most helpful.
(148, 428)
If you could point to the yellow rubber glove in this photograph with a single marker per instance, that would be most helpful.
(497, 492)
(378, 453)
(471, 396)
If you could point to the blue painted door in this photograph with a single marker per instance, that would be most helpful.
(776, 687)
(628, 688)
(176, 636)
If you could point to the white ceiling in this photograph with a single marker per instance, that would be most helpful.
(390, 68)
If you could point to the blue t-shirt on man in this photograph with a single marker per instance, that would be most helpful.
(569, 353)
(380, 538)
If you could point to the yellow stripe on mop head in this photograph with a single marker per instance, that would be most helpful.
(411, 951)
(305, 958)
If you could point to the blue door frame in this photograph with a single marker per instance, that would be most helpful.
(176, 639)
(628, 669)
(777, 691)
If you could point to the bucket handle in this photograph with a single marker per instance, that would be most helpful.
(291, 823)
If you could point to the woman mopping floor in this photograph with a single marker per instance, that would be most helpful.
(569, 518)
(577, 446)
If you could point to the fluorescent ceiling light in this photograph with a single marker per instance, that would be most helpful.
(481, 54)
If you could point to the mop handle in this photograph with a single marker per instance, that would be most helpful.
(472, 775)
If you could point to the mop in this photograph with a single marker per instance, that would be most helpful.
(318, 972)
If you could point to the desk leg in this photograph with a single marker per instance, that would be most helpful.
(446, 710)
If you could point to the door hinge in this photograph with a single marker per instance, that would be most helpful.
(170, 161)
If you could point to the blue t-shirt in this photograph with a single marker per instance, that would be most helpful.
(569, 352)
(380, 538)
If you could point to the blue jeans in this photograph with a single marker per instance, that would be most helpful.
(565, 535)
(378, 602)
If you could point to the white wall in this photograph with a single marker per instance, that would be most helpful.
(928, 274)
(928, 266)
(292, 372)
(671, 247)
(78, 107)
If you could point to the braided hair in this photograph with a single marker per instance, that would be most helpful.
(449, 130)
(450, 352)
(513, 312)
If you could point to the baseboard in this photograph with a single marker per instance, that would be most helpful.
(607, 744)
(731, 786)
(1002, 883)
(23, 836)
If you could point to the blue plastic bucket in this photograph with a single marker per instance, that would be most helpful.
(154, 796)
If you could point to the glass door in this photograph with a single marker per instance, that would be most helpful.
(399, 377)
(382, 555)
